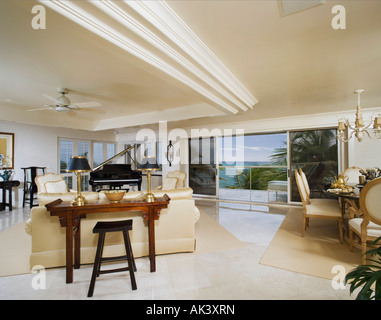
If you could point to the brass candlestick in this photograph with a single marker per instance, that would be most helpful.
(149, 166)
(149, 196)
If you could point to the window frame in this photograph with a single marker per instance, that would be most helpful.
(70, 177)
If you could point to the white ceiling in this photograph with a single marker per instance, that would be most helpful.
(261, 63)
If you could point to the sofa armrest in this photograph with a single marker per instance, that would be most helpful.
(28, 226)
(45, 197)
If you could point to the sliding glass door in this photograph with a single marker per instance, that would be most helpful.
(316, 153)
(253, 168)
(202, 166)
(259, 168)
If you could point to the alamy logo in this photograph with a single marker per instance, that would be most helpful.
(39, 20)
(39, 280)
(339, 20)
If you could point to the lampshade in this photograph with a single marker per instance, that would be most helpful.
(149, 163)
(78, 164)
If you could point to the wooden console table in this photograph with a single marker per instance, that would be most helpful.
(8, 185)
(70, 217)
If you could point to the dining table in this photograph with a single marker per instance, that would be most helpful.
(351, 199)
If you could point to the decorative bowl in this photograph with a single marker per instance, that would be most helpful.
(115, 195)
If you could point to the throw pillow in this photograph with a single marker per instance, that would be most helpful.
(56, 186)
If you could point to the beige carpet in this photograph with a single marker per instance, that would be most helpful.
(15, 244)
(314, 254)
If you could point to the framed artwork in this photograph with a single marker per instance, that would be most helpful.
(7, 150)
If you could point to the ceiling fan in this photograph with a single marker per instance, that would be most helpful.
(63, 104)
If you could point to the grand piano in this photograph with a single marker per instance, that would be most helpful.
(115, 176)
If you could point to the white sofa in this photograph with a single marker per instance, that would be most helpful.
(174, 231)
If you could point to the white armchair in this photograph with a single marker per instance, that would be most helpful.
(174, 180)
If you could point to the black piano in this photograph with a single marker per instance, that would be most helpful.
(114, 176)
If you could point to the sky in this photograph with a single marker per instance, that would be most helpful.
(250, 147)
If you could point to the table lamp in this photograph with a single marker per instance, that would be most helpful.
(78, 165)
(149, 166)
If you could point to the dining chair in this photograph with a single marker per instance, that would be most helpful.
(353, 174)
(368, 226)
(317, 208)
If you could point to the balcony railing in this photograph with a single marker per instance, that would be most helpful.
(257, 184)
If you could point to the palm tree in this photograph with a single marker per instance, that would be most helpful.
(315, 151)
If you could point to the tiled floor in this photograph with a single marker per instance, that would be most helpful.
(230, 274)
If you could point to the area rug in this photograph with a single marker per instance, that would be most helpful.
(315, 254)
(15, 244)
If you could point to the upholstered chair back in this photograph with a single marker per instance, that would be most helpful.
(51, 183)
(301, 188)
(370, 201)
(305, 184)
(180, 176)
(353, 174)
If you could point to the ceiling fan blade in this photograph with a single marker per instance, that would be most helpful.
(51, 98)
(91, 104)
(44, 108)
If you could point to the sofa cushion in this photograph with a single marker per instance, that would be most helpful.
(184, 193)
(56, 186)
(48, 177)
(44, 198)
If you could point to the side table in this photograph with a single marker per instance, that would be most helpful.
(7, 185)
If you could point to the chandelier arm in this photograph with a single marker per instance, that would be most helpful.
(349, 125)
(350, 137)
(371, 121)
(367, 132)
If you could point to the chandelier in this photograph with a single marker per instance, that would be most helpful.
(359, 129)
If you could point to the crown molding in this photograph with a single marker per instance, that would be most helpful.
(162, 16)
(165, 43)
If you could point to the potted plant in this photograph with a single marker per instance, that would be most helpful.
(367, 276)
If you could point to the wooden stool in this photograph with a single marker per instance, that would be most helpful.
(113, 226)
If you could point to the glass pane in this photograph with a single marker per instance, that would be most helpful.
(69, 182)
(315, 151)
(85, 182)
(66, 151)
(202, 167)
(98, 154)
(159, 155)
(259, 174)
(110, 151)
(83, 149)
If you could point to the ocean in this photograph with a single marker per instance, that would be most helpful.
(229, 171)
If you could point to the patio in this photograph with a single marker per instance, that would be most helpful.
(255, 196)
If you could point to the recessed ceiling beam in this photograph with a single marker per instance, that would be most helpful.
(203, 72)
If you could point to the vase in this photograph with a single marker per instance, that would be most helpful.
(6, 175)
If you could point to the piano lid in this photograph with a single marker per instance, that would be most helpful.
(117, 155)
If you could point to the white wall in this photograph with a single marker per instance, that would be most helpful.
(364, 154)
(38, 146)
